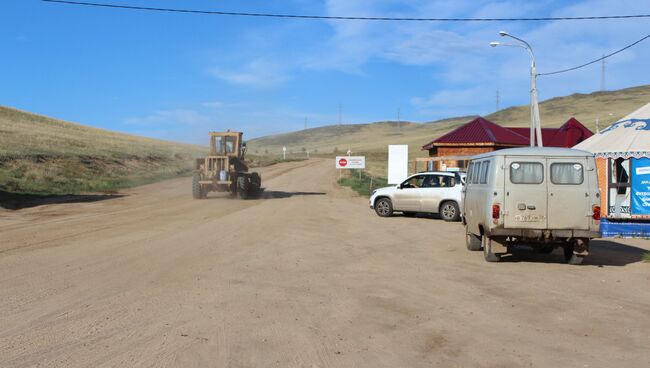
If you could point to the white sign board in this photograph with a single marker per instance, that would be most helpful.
(350, 162)
(398, 161)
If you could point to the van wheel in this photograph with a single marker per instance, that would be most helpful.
(449, 211)
(472, 242)
(487, 250)
(570, 257)
(383, 207)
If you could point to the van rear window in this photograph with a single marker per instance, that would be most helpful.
(526, 173)
(484, 171)
(476, 167)
(567, 173)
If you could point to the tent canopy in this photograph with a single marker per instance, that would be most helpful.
(629, 137)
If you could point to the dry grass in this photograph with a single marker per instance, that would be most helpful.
(373, 139)
(43, 155)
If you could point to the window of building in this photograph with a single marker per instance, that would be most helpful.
(619, 174)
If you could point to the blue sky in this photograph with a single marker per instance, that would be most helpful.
(176, 76)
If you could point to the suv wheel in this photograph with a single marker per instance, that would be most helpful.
(449, 211)
(384, 207)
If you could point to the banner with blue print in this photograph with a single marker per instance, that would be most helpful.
(641, 186)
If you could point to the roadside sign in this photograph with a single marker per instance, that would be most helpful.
(350, 162)
(398, 159)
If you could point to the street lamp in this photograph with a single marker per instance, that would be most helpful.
(535, 123)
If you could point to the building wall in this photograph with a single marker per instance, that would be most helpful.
(457, 151)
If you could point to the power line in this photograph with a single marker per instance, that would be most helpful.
(270, 15)
(597, 60)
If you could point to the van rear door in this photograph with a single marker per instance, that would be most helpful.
(525, 193)
(569, 204)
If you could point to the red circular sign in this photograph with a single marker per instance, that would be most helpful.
(343, 162)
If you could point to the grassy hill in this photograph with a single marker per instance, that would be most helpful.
(49, 156)
(372, 139)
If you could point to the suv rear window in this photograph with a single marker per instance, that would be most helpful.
(526, 173)
(567, 173)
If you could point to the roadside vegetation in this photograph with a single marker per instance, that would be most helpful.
(41, 155)
(361, 182)
(646, 257)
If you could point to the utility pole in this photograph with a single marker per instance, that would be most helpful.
(535, 123)
(339, 114)
(602, 74)
(498, 100)
(399, 123)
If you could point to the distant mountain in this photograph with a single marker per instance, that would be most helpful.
(608, 106)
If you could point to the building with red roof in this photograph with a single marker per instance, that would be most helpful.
(480, 135)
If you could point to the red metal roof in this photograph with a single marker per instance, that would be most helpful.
(481, 130)
(568, 135)
(547, 133)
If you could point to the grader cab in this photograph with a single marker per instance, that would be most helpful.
(224, 169)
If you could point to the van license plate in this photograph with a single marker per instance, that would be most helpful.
(529, 218)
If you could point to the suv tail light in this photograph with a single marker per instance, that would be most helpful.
(595, 213)
(496, 211)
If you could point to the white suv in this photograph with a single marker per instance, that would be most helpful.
(430, 192)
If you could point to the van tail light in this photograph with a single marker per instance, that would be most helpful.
(595, 212)
(496, 211)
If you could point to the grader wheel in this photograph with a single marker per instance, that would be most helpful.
(243, 187)
(197, 191)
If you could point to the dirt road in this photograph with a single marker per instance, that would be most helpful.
(306, 276)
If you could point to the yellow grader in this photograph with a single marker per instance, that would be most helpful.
(224, 169)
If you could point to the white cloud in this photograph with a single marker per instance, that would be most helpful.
(171, 118)
(214, 104)
(464, 71)
(259, 73)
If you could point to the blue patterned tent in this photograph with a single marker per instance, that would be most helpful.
(622, 152)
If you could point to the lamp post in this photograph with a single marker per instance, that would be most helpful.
(535, 123)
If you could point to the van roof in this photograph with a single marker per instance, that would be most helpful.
(535, 151)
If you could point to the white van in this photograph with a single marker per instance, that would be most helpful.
(540, 197)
